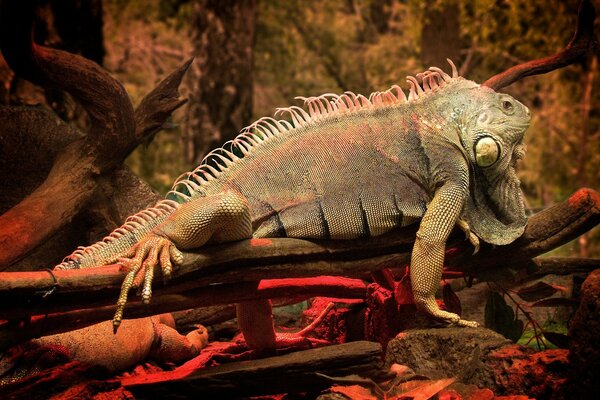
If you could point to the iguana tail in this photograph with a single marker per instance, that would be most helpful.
(109, 249)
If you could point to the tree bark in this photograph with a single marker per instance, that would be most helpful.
(221, 80)
(590, 70)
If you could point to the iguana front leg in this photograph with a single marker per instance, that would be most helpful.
(427, 260)
(220, 218)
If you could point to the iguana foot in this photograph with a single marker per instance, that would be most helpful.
(464, 226)
(429, 306)
(140, 261)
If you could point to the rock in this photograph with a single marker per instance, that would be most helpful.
(519, 369)
(448, 352)
(584, 344)
(480, 357)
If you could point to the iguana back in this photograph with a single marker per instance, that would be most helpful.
(346, 167)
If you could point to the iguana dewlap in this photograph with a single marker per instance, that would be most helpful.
(343, 167)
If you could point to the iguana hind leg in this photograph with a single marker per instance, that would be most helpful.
(255, 320)
(224, 217)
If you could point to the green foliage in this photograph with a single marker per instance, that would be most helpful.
(500, 318)
(554, 335)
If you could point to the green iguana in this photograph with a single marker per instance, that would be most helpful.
(344, 167)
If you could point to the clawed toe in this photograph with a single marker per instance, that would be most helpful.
(464, 226)
(140, 262)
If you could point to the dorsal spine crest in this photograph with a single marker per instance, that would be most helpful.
(317, 108)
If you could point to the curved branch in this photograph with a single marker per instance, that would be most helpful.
(256, 259)
(103, 97)
(582, 41)
(72, 179)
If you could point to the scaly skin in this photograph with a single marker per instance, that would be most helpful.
(345, 168)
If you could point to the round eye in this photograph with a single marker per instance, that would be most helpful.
(487, 151)
(507, 105)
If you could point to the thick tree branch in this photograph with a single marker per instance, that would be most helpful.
(583, 40)
(253, 260)
(113, 135)
(13, 333)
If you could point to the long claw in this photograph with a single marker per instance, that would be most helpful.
(464, 226)
(147, 290)
(125, 287)
(475, 242)
(165, 261)
(140, 262)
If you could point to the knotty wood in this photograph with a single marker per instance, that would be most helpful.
(14, 332)
(115, 131)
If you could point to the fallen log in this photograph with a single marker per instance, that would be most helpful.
(289, 373)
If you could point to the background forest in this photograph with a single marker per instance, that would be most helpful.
(253, 56)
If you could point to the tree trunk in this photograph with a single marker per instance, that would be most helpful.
(590, 69)
(440, 21)
(221, 81)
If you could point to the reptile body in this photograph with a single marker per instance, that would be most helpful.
(343, 167)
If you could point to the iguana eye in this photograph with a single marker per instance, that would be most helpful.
(487, 151)
(507, 106)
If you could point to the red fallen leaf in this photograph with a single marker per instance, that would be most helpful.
(403, 292)
(538, 291)
(451, 300)
(354, 392)
(426, 391)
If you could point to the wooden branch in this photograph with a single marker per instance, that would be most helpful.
(253, 260)
(294, 372)
(47, 324)
(583, 40)
(160, 103)
(72, 179)
(541, 267)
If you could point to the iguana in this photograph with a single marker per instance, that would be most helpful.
(343, 167)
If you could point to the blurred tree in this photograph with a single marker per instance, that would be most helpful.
(221, 79)
(440, 33)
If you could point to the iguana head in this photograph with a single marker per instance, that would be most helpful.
(491, 134)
